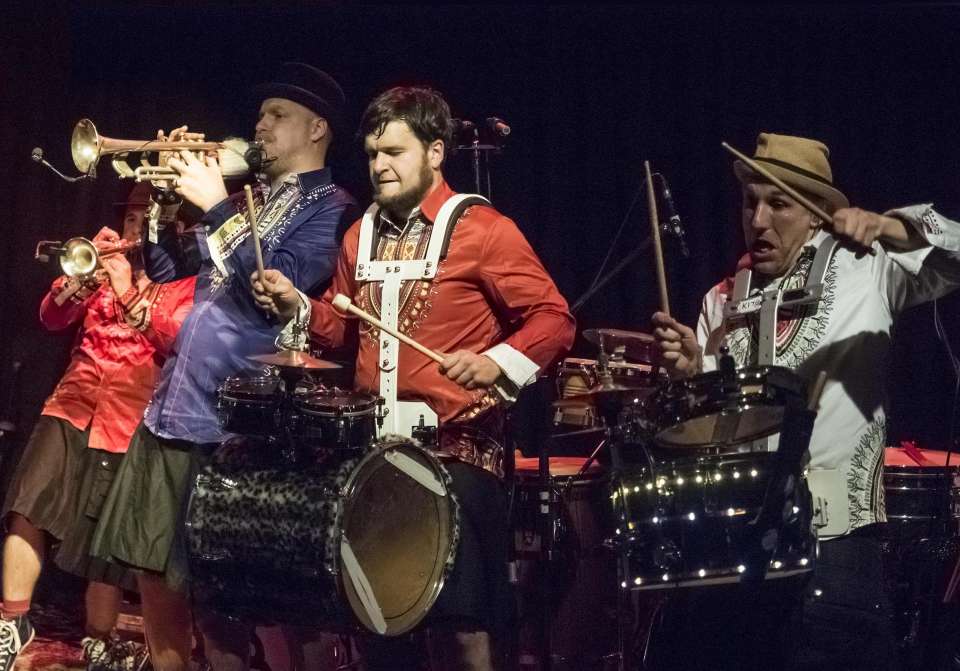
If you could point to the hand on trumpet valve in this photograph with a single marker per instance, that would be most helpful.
(176, 135)
(200, 182)
(276, 294)
(470, 370)
(118, 271)
(180, 135)
(106, 239)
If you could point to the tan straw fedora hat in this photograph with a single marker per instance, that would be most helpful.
(800, 162)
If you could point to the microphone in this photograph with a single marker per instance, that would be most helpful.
(498, 126)
(37, 156)
(673, 224)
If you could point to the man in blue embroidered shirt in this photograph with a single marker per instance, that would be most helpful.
(301, 212)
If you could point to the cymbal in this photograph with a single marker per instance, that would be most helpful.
(636, 345)
(602, 393)
(294, 359)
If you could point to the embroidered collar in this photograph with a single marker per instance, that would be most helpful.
(307, 182)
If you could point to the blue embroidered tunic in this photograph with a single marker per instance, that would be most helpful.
(298, 226)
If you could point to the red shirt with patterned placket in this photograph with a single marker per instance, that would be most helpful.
(491, 288)
(113, 366)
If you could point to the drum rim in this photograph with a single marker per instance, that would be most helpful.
(349, 489)
(366, 403)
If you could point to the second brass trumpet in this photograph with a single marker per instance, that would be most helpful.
(79, 257)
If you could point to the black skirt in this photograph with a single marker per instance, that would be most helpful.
(477, 594)
(141, 525)
(60, 485)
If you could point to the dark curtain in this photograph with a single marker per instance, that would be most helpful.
(590, 91)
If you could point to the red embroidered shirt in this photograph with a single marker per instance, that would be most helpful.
(490, 289)
(113, 366)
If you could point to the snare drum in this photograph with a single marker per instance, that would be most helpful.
(686, 523)
(333, 418)
(374, 536)
(251, 405)
(709, 411)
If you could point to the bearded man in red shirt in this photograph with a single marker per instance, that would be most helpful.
(460, 278)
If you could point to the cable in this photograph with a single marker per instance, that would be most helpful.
(955, 363)
(613, 244)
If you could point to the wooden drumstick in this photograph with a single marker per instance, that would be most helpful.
(343, 304)
(655, 237)
(783, 186)
(813, 398)
(255, 234)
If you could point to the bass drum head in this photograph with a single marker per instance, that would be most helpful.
(398, 537)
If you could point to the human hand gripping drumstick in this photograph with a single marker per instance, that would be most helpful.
(343, 304)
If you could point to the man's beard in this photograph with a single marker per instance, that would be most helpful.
(403, 203)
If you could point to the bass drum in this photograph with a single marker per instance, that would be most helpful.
(686, 522)
(369, 538)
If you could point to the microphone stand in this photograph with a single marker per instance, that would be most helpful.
(603, 281)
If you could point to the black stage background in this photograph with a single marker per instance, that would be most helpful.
(590, 93)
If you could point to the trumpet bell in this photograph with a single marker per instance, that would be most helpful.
(79, 257)
(85, 145)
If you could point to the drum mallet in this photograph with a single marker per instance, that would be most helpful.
(343, 304)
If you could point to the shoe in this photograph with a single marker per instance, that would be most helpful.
(114, 655)
(15, 635)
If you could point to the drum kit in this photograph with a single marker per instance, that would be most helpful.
(305, 516)
(674, 488)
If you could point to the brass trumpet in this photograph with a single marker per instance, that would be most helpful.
(79, 257)
(236, 156)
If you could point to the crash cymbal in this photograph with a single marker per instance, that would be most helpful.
(294, 359)
(636, 346)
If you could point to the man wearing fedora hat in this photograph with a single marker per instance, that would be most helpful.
(300, 210)
(127, 325)
(881, 265)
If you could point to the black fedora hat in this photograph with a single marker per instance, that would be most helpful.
(311, 87)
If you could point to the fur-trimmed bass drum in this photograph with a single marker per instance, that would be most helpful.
(351, 538)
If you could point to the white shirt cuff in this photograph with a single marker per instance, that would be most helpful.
(936, 230)
(294, 333)
(518, 371)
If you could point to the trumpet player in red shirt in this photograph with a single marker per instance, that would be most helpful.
(127, 325)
